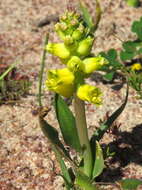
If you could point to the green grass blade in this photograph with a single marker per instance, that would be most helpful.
(8, 70)
(86, 16)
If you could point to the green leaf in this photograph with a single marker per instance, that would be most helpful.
(124, 55)
(137, 28)
(112, 54)
(109, 76)
(139, 51)
(130, 46)
(83, 182)
(67, 123)
(64, 169)
(130, 184)
(106, 125)
(52, 134)
(86, 16)
(99, 161)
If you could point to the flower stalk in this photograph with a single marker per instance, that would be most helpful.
(79, 108)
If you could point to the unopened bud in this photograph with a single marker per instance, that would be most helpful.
(85, 46)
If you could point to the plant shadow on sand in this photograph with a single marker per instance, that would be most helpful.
(128, 149)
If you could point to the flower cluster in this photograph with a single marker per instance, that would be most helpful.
(75, 53)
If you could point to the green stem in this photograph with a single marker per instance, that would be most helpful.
(41, 71)
(81, 125)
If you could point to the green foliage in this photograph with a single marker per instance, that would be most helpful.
(67, 123)
(123, 62)
(92, 24)
(113, 66)
(13, 84)
(137, 28)
(82, 181)
(99, 161)
(107, 124)
(133, 3)
(135, 81)
(86, 17)
(130, 184)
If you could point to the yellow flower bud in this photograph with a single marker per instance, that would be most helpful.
(77, 35)
(75, 64)
(68, 40)
(93, 63)
(58, 49)
(90, 93)
(61, 81)
(85, 46)
(136, 67)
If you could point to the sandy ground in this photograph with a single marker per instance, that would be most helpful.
(26, 159)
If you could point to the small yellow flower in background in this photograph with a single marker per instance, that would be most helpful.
(58, 49)
(93, 63)
(85, 46)
(61, 81)
(90, 93)
(136, 67)
(75, 64)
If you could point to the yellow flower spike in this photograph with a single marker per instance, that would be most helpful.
(93, 63)
(61, 81)
(90, 93)
(136, 67)
(85, 46)
(58, 49)
(75, 64)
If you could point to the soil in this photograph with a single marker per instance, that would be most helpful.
(26, 159)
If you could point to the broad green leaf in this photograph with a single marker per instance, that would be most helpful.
(130, 184)
(52, 134)
(137, 28)
(106, 125)
(99, 161)
(112, 54)
(86, 16)
(67, 123)
(83, 182)
(129, 46)
(124, 55)
(109, 76)
(139, 51)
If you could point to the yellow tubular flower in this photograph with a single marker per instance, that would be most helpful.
(93, 63)
(90, 93)
(136, 67)
(61, 81)
(75, 64)
(58, 49)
